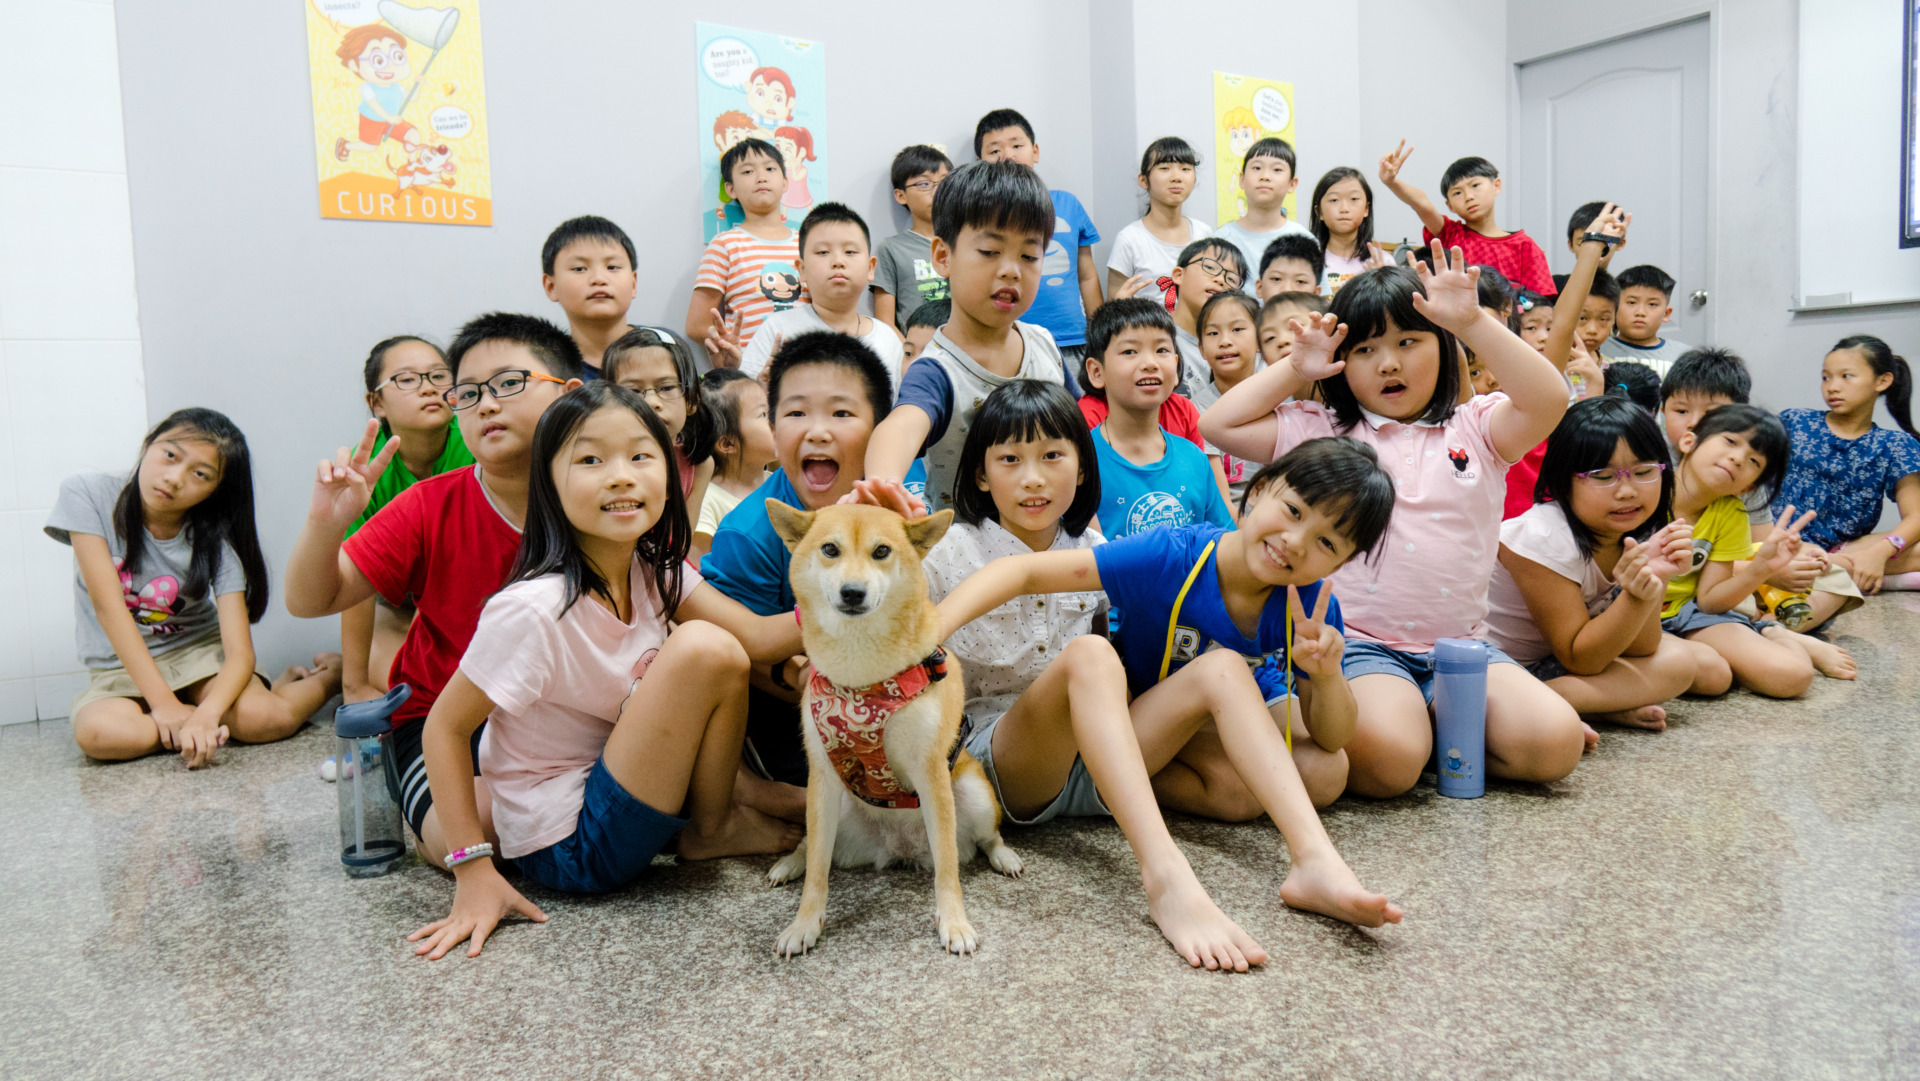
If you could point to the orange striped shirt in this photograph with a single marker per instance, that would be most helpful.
(755, 278)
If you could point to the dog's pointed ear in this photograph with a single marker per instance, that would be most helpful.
(924, 533)
(791, 524)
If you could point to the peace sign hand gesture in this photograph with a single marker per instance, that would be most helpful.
(343, 484)
(1393, 161)
(1317, 647)
(1777, 551)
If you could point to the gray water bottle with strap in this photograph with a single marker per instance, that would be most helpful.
(371, 837)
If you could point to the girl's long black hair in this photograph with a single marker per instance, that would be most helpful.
(224, 517)
(697, 434)
(1367, 304)
(547, 545)
(1585, 440)
(1022, 411)
(1883, 360)
(1364, 235)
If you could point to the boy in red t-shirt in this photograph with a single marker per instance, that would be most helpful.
(448, 542)
(1470, 186)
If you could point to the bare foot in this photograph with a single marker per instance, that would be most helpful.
(1651, 718)
(1828, 659)
(1591, 737)
(1196, 928)
(744, 832)
(776, 798)
(1327, 885)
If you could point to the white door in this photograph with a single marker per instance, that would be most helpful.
(1626, 122)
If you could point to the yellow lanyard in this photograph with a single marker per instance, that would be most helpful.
(1173, 621)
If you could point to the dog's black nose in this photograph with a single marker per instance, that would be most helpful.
(853, 596)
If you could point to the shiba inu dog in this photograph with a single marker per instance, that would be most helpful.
(882, 712)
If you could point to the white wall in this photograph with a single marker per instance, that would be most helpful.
(71, 394)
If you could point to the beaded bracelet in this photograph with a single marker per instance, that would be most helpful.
(471, 852)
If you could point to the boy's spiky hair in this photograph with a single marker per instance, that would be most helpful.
(1647, 276)
(1000, 120)
(1295, 246)
(992, 195)
(1113, 317)
(753, 146)
(932, 313)
(584, 227)
(824, 213)
(550, 345)
(837, 350)
(915, 160)
(1709, 371)
(1464, 169)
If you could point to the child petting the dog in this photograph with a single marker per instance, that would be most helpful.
(1046, 699)
(609, 732)
(1213, 724)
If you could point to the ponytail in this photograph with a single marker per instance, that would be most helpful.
(1884, 361)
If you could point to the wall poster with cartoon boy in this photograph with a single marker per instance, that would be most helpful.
(1245, 110)
(400, 110)
(761, 86)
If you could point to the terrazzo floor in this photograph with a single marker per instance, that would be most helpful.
(1736, 897)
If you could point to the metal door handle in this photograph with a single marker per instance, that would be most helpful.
(1699, 299)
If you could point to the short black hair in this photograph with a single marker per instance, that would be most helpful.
(552, 347)
(1113, 317)
(1313, 302)
(1635, 382)
(1586, 439)
(1710, 371)
(1763, 432)
(1295, 246)
(1583, 219)
(930, 313)
(841, 351)
(697, 434)
(585, 227)
(1168, 150)
(915, 160)
(1606, 287)
(998, 120)
(823, 213)
(1465, 169)
(1231, 296)
(993, 195)
(1220, 249)
(1271, 147)
(746, 148)
(1496, 290)
(1367, 303)
(1647, 276)
(1017, 412)
(1335, 472)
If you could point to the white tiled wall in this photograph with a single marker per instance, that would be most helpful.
(71, 391)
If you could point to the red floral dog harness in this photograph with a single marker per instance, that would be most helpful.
(852, 723)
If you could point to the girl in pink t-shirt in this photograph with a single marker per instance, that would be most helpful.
(607, 733)
(1387, 361)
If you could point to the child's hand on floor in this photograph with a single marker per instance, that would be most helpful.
(343, 485)
(202, 735)
(1314, 342)
(170, 718)
(1317, 647)
(1452, 297)
(481, 899)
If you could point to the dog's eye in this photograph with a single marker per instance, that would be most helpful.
(882, 552)
(831, 551)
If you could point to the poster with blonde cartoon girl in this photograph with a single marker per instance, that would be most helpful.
(399, 111)
(761, 86)
(1245, 110)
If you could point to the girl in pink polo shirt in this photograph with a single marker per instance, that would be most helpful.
(1386, 359)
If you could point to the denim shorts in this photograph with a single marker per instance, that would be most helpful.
(615, 839)
(1547, 668)
(1690, 619)
(1372, 658)
(1077, 798)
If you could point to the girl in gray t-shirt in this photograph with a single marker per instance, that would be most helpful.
(167, 579)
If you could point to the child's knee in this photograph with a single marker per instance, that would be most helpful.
(1094, 655)
(1785, 674)
(1549, 747)
(1223, 672)
(1673, 669)
(1712, 675)
(1324, 775)
(710, 647)
(1382, 768)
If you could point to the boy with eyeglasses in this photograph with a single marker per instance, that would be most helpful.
(904, 277)
(1208, 266)
(447, 542)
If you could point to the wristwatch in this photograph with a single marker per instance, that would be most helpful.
(1606, 242)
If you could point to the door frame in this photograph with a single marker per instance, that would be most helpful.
(1574, 41)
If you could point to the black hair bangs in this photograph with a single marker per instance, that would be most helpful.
(585, 227)
(1168, 150)
(999, 195)
(1647, 276)
(1466, 169)
(697, 434)
(827, 213)
(1377, 302)
(550, 345)
(1586, 439)
(1762, 431)
(1708, 371)
(840, 351)
(1025, 411)
(749, 148)
(917, 160)
(1338, 477)
(1000, 120)
(931, 313)
(1294, 246)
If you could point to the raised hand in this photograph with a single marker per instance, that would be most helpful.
(481, 899)
(1315, 339)
(1317, 646)
(1583, 365)
(1452, 289)
(343, 484)
(1130, 287)
(1391, 164)
(723, 340)
(1612, 223)
(1378, 256)
(1778, 550)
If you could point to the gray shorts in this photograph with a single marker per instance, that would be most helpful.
(1690, 619)
(1077, 798)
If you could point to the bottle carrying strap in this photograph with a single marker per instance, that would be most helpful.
(1173, 622)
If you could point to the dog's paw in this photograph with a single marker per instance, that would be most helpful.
(798, 938)
(789, 867)
(1003, 859)
(956, 934)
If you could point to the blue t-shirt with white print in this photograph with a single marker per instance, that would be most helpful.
(1058, 306)
(1178, 490)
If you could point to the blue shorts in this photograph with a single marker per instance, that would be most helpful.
(1372, 658)
(1077, 798)
(615, 839)
(1690, 619)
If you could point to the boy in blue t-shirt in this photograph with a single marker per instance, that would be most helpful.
(1147, 479)
(1069, 281)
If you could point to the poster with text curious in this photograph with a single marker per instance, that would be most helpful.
(399, 111)
(760, 86)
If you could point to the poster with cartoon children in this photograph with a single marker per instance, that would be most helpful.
(399, 110)
(761, 86)
(1245, 110)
